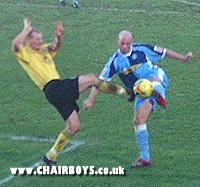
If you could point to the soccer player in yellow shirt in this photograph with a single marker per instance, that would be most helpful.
(36, 59)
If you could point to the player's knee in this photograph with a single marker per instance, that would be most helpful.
(76, 129)
(86, 81)
(137, 121)
(73, 129)
(95, 80)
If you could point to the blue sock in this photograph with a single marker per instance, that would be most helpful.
(142, 138)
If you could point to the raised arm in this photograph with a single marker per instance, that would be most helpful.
(20, 38)
(175, 55)
(58, 36)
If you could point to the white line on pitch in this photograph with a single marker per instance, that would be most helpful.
(72, 145)
(26, 138)
(187, 2)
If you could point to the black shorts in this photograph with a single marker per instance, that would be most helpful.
(63, 95)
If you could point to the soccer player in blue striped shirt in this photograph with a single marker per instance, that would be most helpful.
(133, 61)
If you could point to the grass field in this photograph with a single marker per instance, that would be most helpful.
(107, 130)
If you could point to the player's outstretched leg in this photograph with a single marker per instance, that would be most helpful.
(89, 80)
(111, 87)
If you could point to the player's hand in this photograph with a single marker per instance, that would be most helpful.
(188, 57)
(87, 104)
(27, 25)
(59, 29)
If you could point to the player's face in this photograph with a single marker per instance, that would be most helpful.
(36, 41)
(124, 44)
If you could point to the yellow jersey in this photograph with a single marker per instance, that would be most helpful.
(39, 65)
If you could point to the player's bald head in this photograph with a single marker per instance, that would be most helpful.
(125, 40)
(125, 35)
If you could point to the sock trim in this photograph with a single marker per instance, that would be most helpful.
(140, 127)
(156, 83)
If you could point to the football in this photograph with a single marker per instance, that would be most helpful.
(143, 87)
